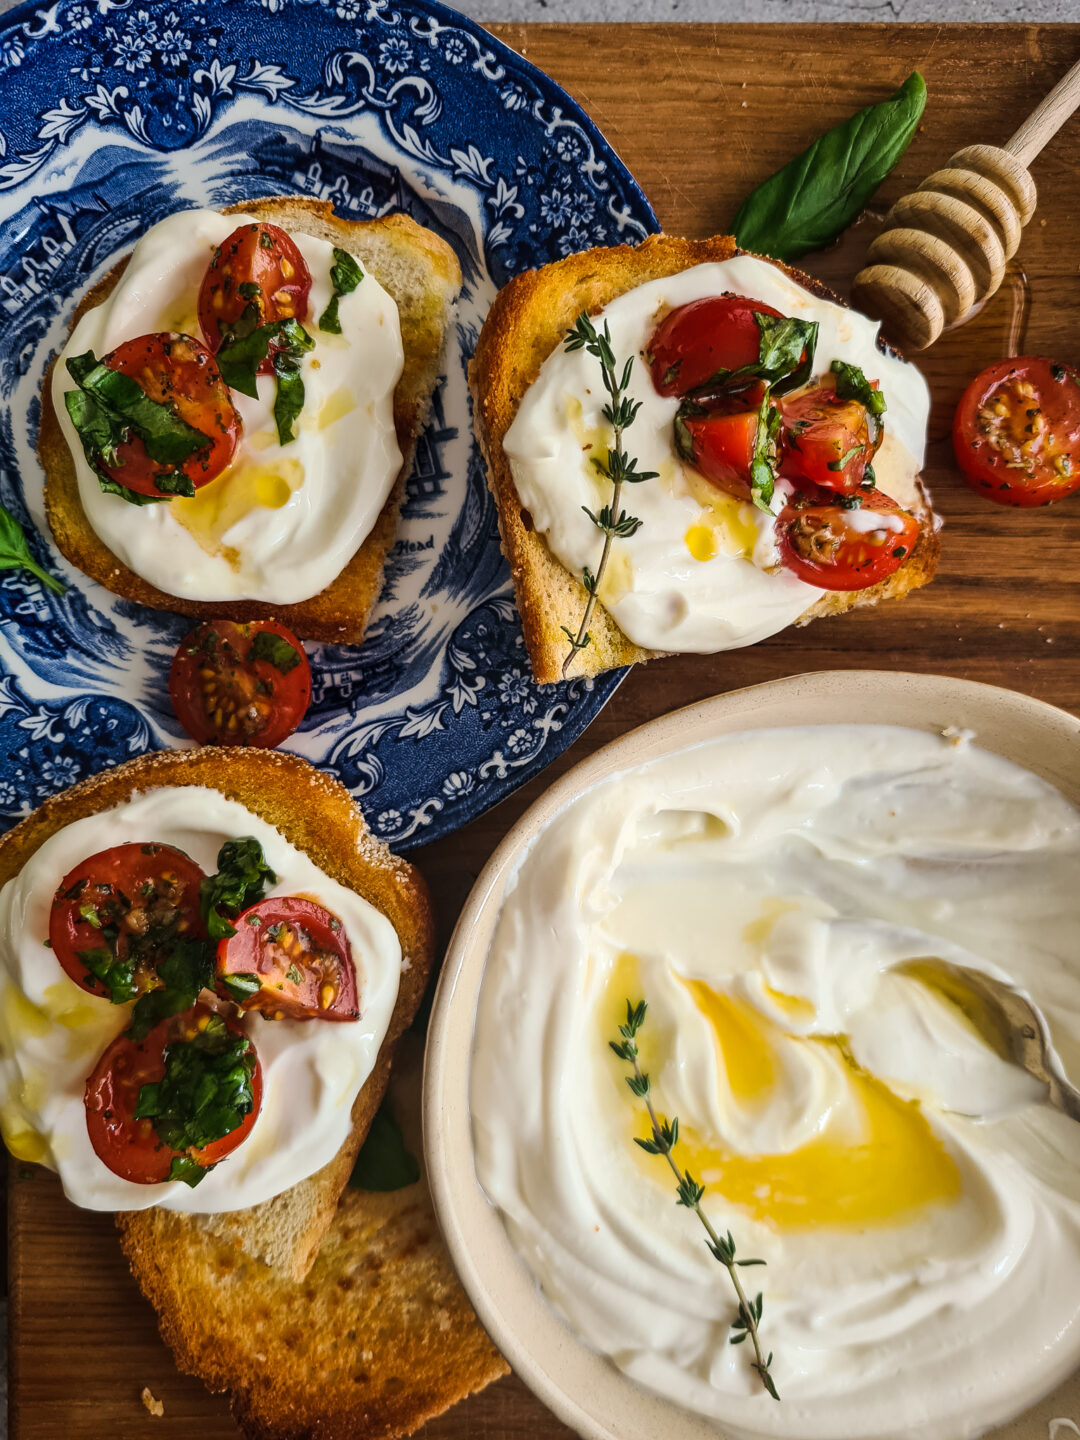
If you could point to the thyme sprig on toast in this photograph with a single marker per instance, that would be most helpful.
(620, 411)
(665, 1136)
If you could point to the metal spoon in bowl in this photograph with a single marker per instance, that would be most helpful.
(1004, 1018)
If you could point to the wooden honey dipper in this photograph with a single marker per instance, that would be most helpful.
(944, 248)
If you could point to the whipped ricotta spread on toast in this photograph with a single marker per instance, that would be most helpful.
(701, 573)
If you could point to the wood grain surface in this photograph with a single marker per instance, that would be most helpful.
(699, 114)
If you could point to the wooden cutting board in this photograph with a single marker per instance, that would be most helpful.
(700, 114)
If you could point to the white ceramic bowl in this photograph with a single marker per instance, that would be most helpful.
(580, 1386)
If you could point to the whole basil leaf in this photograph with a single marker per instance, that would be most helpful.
(815, 196)
(15, 552)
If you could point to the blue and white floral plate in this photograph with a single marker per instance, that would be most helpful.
(113, 113)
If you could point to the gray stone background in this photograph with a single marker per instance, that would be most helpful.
(711, 10)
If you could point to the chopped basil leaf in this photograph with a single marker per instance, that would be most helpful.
(852, 384)
(248, 290)
(187, 969)
(245, 348)
(289, 400)
(345, 276)
(169, 440)
(763, 466)
(780, 363)
(89, 913)
(133, 497)
(15, 552)
(844, 460)
(295, 974)
(176, 483)
(118, 976)
(241, 985)
(205, 1091)
(384, 1162)
(241, 880)
(684, 441)
(188, 1170)
(271, 647)
(783, 343)
(812, 199)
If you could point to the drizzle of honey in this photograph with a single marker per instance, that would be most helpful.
(215, 508)
(24, 1143)
(880, 1172)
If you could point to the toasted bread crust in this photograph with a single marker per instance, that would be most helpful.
(527, 321)
(377, 1340)
(316, 814)
(340, 612)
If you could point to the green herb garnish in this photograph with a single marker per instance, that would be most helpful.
(247, 344)
(241, 985)
(203, 1095)
(766, 461)
(109, 407)
(275, 649)
(345, 276)
(241, 880)
(15, 552)
(185, 971)
(689, 1192)
(852, 384)
(813, 198)
(620, 411)
(384, 1162)
(118, 976)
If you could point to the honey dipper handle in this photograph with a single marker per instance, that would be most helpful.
(1044, 122)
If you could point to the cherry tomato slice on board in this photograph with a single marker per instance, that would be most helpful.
(257, 265)
(235, 684)
(1017, 431)
(300, 956)
(132, 1148)
(846, 549)
(827, 441)
(125, 907)
(696, 341)
(175, 370)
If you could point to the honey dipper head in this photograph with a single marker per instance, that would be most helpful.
(945, 246)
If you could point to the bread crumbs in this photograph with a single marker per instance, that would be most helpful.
(152, 1403)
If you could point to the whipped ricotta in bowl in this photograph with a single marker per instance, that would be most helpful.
(774, 897)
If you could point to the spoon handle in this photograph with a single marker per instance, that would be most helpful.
(1047, 119)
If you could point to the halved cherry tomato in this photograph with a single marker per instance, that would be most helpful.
(123, 909)
(1017, 431)
(837, 548)
(720, 444)
(175, 370)
(289, 957)
(828, 441)
(132, 1148)
(235, 684)
(697, 341)
(257, 265)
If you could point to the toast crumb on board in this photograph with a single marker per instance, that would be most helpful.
(527, 321)
(421, 272)
(378, 1338)
(318, 815)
